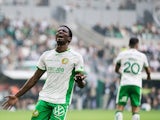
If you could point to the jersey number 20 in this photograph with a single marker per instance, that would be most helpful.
(131, 67)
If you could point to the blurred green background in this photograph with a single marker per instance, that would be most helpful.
(81, 115)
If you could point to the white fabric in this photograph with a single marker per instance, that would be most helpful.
(59, 67)
(132, 62)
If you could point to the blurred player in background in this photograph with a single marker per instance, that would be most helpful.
(129, 65)
(63, 67)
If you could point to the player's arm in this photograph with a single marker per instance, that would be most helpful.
(147, 68)
(80, 79)
(12, 99)
(30, 82)
(117, 68)
(79, 72)
(148, 72)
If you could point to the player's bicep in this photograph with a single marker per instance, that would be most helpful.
(117, 67)
(147, 69)
(39, 73)
(41, 63)
(146, 63)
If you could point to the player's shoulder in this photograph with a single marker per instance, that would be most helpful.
(141, 53)
(122, 53)
(48, 52)
(74, 52)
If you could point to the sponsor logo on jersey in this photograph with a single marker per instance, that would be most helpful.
(59, 110)
(35, 113)
(65, 60)
(123, 99)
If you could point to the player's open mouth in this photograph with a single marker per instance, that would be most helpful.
(60, 37)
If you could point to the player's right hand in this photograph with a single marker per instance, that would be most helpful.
(11, 101)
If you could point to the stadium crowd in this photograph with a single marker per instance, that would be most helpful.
(25, 40)
(145, 31)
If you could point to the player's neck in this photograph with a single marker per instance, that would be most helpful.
(61, 48)
(134, 48)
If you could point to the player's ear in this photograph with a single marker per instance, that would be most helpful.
(69, 39)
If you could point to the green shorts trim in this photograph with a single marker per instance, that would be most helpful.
(49, 111)
(130, 91)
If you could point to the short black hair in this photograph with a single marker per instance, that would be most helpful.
(133, 41)
(70, 32)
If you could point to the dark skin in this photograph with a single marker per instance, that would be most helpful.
(135, 109)
(63, 39)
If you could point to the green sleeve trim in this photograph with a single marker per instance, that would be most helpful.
(40, 68)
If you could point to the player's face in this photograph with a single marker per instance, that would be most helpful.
(62, 36)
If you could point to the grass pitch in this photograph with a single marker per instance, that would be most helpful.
(82, 115)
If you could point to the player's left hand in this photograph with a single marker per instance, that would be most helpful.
(79, 77)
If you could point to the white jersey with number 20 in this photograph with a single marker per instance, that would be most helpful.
(132, 62)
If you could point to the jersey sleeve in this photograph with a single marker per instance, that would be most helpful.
(41, 62)
(79, 65)
(118, 59)
(146, 64)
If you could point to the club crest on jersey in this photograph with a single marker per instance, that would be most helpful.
(59, 110)
(65, 60)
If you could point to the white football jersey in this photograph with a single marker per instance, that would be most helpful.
(60, 68)
(132, 62)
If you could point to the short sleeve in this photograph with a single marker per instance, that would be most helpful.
(79, 65)
(146, 64)
(118, 59)
(41, 63)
